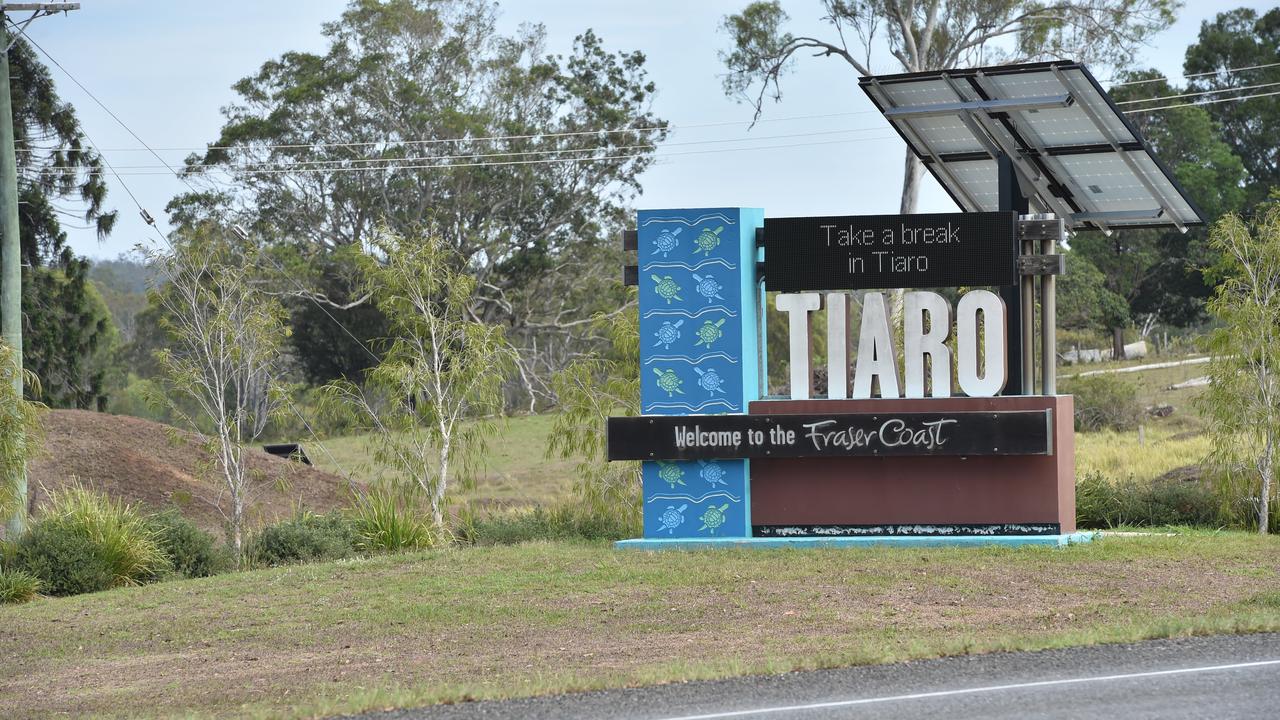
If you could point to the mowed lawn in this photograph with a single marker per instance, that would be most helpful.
(490, 622)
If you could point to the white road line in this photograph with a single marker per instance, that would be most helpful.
(967, 691)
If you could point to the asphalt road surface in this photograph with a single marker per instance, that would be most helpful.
(1226, 676)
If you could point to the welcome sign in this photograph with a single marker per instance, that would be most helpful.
(1025, 432)
(723, 459)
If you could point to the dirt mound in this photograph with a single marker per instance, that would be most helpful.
(159, 467)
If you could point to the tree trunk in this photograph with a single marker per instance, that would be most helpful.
(437, 495)
(1268, 460)
(1117, 343)
(237, 525)
(911, 169)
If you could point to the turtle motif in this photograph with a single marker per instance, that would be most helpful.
(708, 240)
(708, 287)
(667, 241)
(672, 518)
(712, 473)
(709, 380)
(713, 518)
(666, 288)
(671, 474)
(667, 334)
(710, 332)
(668, 380)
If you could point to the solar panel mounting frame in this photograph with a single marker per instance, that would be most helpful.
(991, 121)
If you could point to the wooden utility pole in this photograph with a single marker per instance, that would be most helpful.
(10, 242)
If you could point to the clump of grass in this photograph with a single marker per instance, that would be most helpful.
(18, 586)
(1101, 503)
(85, 541)
(388, 519)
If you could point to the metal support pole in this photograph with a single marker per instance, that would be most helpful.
(1048, 316)
(1012, 200)
(1027, 292)
(10, 262)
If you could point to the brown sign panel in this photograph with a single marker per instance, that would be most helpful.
(706, 437)
(864, 252)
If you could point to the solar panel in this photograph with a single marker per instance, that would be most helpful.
(1074, 153)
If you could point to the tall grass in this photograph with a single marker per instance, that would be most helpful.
(1120, 455)
(119, 535)
(390, 519)
(18, 586)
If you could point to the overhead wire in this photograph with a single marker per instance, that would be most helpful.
(1225, 71)
(467, 156)
(1158, 98)
(285, 168)
(338, 166)
(1204, 102)
(419, 162)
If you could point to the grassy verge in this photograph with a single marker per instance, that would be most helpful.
(493, 622)
(515, 473)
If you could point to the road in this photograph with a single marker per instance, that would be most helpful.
(1221, 677)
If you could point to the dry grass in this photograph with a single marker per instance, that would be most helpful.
(1120, 455)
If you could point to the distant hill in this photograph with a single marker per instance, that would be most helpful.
(139, 461)
(123, 285)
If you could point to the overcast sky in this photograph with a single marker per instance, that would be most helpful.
(166, 68)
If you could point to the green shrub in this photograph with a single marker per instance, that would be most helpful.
(306, 537)
(85, 541)
(18, 586)
(558, 523)
(1104, 401)
(1165, 501)
(192, 552)
(65, 561)
(390, 520)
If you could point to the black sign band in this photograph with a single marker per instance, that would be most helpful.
(706, 437)
(863, 252)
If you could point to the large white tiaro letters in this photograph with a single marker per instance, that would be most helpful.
(926, 325)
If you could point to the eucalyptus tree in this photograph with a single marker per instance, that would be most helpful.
(428, 404)
(223, 362)
(918, 35)
(1243, 397)
(422, 116)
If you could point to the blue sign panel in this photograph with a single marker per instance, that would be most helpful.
(698, 355)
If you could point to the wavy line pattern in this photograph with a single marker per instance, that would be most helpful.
(686, 266)
(691, 360)
(690, 408)
(686, 313)
(690, 498)
(702, 218)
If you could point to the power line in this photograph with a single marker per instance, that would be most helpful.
(1197, 94)
(1204, 102)
(498, 138)
(1226, 71)
(390, 160)
(282, 169)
